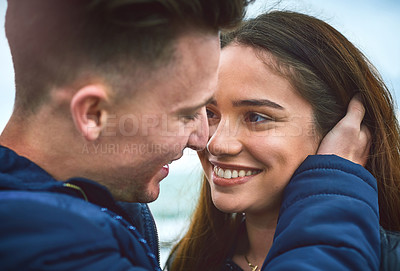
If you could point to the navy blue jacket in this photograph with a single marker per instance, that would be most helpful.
(48, 225)
(329, 221)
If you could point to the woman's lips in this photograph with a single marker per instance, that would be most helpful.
(229, 176)
(233, 173)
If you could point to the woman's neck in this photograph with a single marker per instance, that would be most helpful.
(255, 245)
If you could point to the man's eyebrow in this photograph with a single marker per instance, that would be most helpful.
(257, 102)
(195, 108)
(213, 101)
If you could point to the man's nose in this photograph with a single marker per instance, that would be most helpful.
(199, 136)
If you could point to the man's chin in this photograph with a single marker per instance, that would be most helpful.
(146, 189)
(152, 193)
(150, 197)
(153, 190)
(143, 195)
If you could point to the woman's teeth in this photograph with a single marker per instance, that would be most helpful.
(230, 174)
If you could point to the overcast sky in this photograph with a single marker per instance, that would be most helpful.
(371, 24)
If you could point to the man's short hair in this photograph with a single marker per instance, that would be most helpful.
(54, 42)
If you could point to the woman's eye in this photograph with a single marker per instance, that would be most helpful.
(213, 118)
(256, 117)
(210, 114)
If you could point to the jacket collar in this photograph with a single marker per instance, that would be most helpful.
(19, 173)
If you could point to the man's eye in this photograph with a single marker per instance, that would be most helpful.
(191, 117)
(256, 118)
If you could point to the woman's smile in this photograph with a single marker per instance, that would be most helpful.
(230, 174)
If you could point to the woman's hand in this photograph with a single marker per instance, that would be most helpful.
(349, 138)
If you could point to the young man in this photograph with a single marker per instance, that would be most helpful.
(108, 93)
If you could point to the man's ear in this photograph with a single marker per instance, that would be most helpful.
(88, 112)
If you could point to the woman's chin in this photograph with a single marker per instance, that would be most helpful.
(228, 208)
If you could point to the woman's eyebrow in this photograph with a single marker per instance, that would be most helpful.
(257, 102)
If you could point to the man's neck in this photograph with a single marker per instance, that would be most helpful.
(37, 141)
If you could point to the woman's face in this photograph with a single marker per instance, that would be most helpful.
(261, 130)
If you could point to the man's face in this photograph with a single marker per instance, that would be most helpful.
(165, 115)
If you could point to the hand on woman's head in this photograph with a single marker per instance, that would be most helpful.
(349, 139)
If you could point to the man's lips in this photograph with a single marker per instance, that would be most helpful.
(163, 172)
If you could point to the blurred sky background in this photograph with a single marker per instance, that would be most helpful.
(372, 25)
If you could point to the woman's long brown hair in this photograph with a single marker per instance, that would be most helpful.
(328, 71)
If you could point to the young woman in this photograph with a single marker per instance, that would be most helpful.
(285, 80)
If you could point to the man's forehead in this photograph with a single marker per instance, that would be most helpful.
(190, 82)
(191, 97)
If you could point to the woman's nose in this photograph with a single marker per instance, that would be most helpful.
(225, 140)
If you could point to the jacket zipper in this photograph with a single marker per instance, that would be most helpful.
(157, 245)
